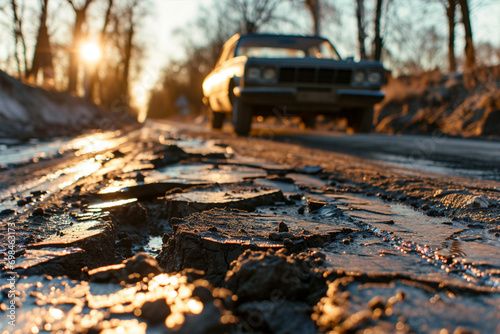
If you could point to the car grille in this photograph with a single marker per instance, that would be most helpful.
(314, 75)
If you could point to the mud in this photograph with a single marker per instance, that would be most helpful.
(167, 233)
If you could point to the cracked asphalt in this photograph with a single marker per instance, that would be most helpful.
(173, 228)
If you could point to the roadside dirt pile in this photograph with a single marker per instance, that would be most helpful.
(31, 112)
(466, 105)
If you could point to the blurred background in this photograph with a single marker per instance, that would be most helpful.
(149, 57)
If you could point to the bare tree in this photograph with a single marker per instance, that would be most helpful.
(377, 41)
(19, 38)
(314, 7)
(42, 57)
(81, 16)
(451, 6)
(94, 76)
(255, 13)
(360, 18)
(122, 59)
(470, 58)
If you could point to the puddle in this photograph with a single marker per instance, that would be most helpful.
(438, 167)
(111, 204)
(20, 154)
(50, 183)
(412, 232)
(154, 245)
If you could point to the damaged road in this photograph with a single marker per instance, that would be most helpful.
(167, 230)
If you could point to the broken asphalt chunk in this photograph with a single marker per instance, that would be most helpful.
(145, 191)
(231, 196)
(50, 261)
(169, 155)
(96, 238)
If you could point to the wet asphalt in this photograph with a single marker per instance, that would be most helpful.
(310, 232)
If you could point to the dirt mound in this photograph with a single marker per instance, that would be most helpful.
(466, 105)
(31, 112)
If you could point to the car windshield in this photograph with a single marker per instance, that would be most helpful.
(286, 47)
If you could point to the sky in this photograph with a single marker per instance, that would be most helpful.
(163, 45)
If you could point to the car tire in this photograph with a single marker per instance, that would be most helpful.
(360, 120)
(242, 117)
(309, 121)
(216, 119)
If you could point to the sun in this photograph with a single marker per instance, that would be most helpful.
(90, 52)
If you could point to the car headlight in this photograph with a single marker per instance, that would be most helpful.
(358, 77)
(374, 77)
(253, 73)
(269, 73)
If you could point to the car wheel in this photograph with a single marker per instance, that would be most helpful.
(242, 117)
(216, 119)
(309, 121)
(360, 120)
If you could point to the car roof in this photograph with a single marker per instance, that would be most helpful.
(270, 40)
(270, 35)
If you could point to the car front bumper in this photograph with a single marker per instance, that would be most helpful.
(315, 98)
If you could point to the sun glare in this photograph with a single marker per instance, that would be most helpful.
(90, 52)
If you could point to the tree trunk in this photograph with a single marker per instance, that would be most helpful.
(16, 36)
(450, 13)
(377, 52)
(314, 9)
(42, 58)
(94, 76)
(361, 28)
(470, 56)
(74, 52)
(128, 57)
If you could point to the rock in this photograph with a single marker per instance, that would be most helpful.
(132, 214)
(38, 212)
(282, 227)
(7, 212)
(22, 202)
(313, 205)
(155, 311)
(170, 154)
(257, 276)
(131, 270)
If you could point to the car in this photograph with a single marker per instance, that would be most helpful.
(289, 75)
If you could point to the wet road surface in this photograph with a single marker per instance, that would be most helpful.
(251, 234)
